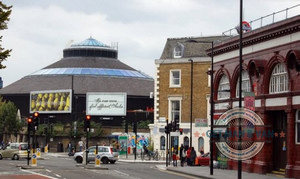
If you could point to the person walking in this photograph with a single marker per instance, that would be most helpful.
(188, 156)
(193, 157)
(174, 157)
(183, 157)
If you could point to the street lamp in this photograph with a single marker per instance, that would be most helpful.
(211, 100)
(191, 107)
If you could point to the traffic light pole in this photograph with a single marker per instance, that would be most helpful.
(87, 146)
(28, 139)
(167, 147)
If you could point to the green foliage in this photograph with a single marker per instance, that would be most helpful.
(5, 12)
(144, 124)
(9, 123)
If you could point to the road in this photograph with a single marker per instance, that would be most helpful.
(66, 168)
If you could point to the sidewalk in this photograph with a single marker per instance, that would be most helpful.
(199, 171)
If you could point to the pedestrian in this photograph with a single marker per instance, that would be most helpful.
(174, 156)
(193, 157)
(80, 143)
(70, 147)
(188, 156)
(202, 151)
(183, 157)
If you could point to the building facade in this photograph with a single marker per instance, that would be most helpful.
(182, 92)
(270, 69)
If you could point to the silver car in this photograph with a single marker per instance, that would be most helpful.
(107, 154)
(14, 151)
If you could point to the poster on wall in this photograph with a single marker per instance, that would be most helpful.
(54, 101)
(106, 104)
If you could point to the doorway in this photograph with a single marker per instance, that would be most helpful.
(279, 119)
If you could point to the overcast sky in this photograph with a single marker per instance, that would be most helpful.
(39, 30)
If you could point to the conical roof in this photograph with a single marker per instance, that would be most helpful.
(88, 66)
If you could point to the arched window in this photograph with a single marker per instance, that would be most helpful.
(279, 79)
(224, 87)
(200, 143)
(186, 141)
(245, 84)
(297, 127)
(162, 143)
(178, 51)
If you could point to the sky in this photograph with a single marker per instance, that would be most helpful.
(38, 31)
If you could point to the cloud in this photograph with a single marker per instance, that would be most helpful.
(39, 30)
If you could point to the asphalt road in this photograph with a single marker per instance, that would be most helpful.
(66, 168)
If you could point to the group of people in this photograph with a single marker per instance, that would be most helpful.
(186, 154)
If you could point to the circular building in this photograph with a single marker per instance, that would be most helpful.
(88, 66)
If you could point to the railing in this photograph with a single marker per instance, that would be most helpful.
(268, 19)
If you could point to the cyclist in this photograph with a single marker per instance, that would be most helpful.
(146, 151)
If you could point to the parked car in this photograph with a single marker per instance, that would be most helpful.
(107, 154)
(15, 151)
(203, 159)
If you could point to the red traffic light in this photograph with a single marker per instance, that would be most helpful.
(29, 120)
(88, 117)
(36, 114)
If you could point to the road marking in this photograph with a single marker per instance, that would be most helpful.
(57, 175)
(28, 171)
(48, 171)
(179, 174)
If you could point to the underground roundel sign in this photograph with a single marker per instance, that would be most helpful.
(229, 144)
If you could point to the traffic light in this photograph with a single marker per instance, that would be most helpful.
(30, 124)
(36, 119)
(134, 127)
(176, 124)
(87, 122)
(180, 130)
(167, 131)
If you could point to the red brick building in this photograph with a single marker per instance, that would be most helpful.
(271, 69)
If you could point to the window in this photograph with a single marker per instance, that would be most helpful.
(224, 87)
(186, 141)
(162, 143)
(279, 79)
(245, 84)
(174, 141)
(175, 78)
(178, 51)
(200, 143)
(297, 127)
(175, 110)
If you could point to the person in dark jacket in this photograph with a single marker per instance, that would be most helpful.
(193, 156)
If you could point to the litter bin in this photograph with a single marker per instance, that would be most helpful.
(60, 147)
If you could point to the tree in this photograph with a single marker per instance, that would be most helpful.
(5, 12)
(9, 123)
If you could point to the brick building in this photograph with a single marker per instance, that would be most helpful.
(271, 68)
(172, 93)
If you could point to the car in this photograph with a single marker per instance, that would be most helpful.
(107, 154)
(15, 151)
(203, 159)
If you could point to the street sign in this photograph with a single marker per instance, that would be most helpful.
(38, 152)
(97, 160)
(34, 160)
(175, 134)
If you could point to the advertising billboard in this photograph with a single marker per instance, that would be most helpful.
(55, 101)
(106, 104)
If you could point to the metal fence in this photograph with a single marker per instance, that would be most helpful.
(268, 19)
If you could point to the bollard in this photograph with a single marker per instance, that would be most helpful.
(34, 160)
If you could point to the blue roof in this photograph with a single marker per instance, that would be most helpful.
(91, 71)
(90, 42)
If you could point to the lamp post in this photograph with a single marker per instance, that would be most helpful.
(211, 100)
(191, 103)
